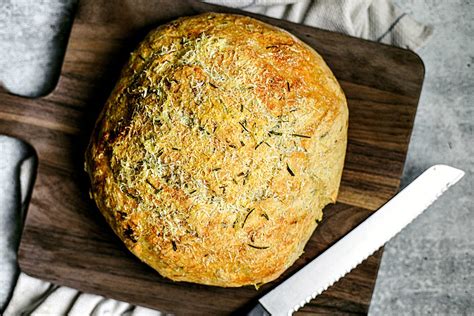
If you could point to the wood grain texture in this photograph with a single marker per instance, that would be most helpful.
(65, 239)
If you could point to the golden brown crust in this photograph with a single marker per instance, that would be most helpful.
(218, 148)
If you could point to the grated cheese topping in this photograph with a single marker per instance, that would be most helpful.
(218, 148)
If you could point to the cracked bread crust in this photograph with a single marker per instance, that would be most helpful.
(218, 148)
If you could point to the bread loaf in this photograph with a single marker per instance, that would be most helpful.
(218, 148)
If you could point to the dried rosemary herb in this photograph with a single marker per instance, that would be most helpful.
(290, 171)
(223, 188)
(160, 152)
(154, 188)
(258, 247)
(243, 126)
(299, 135)
(132, 196)
(247, 216)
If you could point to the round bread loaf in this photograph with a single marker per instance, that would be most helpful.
(218, 148)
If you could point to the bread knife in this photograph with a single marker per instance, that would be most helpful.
(358, 244)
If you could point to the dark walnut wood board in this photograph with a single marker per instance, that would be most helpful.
(65, 239)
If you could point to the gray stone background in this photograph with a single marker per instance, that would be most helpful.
(429, 267)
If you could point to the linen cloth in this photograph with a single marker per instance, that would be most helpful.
(377, 20)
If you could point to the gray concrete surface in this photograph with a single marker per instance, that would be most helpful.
(429, 267)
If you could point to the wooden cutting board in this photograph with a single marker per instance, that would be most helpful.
(65, 239)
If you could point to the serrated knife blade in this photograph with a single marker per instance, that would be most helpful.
(359, 244)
